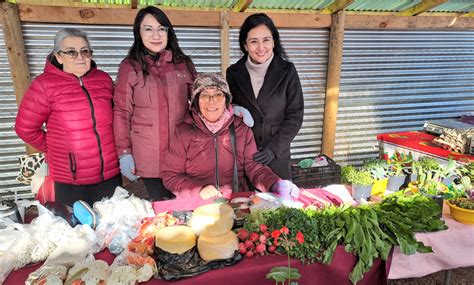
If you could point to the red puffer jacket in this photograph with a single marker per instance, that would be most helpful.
(146, 112)
(79, 141)
(190, 162)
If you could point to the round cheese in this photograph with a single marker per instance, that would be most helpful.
(175, 239)
(212, 219)
(218, 247)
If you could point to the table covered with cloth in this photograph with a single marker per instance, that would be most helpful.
(419, 144)
(253, 270)
(452, 248)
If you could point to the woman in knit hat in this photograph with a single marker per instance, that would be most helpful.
(202, 160)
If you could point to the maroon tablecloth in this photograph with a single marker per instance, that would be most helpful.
(253, 271)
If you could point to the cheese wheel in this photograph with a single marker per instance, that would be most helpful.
(212, 219)
(218, 247)
(175, 239)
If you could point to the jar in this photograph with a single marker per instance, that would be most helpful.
(9, 210)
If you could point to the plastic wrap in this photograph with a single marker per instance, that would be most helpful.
(130, 268)
(8, 258)
(119, 220)
(51, 274)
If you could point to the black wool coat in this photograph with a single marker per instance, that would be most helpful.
(277, 111)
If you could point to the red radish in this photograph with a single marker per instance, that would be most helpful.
(242, 250)
(272, 248)
(260, 248)
(249, 244)
(253, 237)
(267, 234)
(263, 228)
(242, 234)
(262, 238)
(249, 254)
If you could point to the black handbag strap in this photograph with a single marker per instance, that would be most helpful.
(235, 177)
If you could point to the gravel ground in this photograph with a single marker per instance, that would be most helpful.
(459, 276)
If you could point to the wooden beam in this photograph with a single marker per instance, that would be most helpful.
(403, 22)
(225, 39)
(336, 41)
(16, 53)
(124, 16)
(424, 6)
(242, 5)
(336, 6)
(285, 20)
(134, 4)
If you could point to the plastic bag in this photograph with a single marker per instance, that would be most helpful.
(119, 219)
(175, 266)
(48, 273)
(130, 268)
(8, 258)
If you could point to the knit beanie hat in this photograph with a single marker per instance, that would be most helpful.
(210, 80)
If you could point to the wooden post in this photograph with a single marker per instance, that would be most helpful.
(336, 40)
(16, 53)
(15, 49)
(225, 38)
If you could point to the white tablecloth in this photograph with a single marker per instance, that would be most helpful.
(452, 248)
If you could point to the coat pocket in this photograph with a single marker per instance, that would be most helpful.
(72, 165)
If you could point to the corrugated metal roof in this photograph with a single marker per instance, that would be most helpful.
(290, 5)
(381, 5)
(452, 6)
(455, 6)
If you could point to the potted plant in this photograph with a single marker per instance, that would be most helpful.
(379, 171)
(462, 210)
(361, 181)
(449, 172)
(397, 163)
(432, 186)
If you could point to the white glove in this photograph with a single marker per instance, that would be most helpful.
(245, 114)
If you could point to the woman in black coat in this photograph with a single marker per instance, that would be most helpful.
(265, 83)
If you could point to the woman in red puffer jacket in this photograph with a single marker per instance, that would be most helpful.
(74, 99)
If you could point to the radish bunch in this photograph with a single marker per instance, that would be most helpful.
(255, 243)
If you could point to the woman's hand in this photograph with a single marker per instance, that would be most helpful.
(208, 192)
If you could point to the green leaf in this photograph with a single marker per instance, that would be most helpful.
(277, 276)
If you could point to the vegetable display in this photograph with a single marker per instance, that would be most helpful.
(368, 231)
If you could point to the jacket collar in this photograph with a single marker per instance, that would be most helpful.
(165, 56)
(275, 73)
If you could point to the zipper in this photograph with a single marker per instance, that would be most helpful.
(216, 148)
(72, 165)
(94, 124)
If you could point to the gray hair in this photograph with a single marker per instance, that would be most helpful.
(65, 33)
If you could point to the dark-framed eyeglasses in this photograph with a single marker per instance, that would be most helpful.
(86, 53)
(149, 31)
(205, 98)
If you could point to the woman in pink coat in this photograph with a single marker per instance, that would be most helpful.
(202, 162)
(151, 96)
(74, 100)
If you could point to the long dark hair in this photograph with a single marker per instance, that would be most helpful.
(138, 51)
(255, 20)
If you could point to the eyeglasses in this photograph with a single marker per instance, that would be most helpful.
(86, 53)
(149, 31)
(205, 98)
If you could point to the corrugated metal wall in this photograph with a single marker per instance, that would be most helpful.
(110, 44)
(308, 50)
(396, 80)
(10, 145)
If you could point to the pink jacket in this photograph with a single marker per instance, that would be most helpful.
(146, 112)
(191, 159)
(79, 142)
